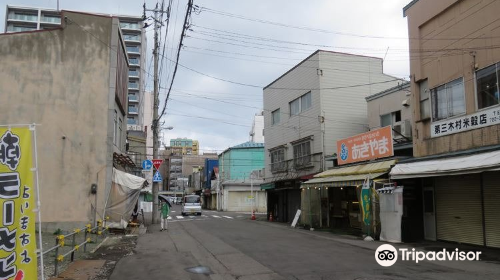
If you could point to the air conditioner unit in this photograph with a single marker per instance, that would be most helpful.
(406, 128)
(397, 130)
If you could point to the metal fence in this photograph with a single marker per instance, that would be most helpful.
(74, 242)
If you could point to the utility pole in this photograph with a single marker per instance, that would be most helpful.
(156, 103)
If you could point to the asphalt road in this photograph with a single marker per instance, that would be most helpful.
(231, 246)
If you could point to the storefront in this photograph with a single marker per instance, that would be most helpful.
(283, 199)
(331, 199)
(460, 196)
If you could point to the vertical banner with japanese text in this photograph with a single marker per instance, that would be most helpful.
(18, 259)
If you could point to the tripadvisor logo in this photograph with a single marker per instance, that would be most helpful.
(386, 255)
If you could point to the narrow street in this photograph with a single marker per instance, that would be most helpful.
(232, 246)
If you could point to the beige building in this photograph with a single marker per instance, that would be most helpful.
(455, 66)
(72, 81)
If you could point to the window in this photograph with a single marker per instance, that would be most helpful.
(302, 154)
(295, 107)
(133, 49)
(300, 104)
(275, 117)
(487, 86)
(278, 160)
(390, 119)
(425, 105)
(448, 100)
(134, 60)
(133, 85)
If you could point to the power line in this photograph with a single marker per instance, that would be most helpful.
(227, 14)
(284, 88)
(185, 26)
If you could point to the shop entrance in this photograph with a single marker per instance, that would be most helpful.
(429, 214)
(344, 210)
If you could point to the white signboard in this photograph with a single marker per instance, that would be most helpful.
(296, 219)
(464, 123)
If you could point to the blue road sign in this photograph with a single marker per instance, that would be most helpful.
(147, 164)
(157, 177)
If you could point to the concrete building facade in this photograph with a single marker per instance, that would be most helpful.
(306, 110)
(257, 132)
(456, 117)
(184, 146)
(72, 81)
(18, 19)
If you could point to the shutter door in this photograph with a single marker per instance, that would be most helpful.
(491, 191)
(458, 209)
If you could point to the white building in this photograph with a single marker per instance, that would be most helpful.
(306, 110)
(257, 132)
(21, 19)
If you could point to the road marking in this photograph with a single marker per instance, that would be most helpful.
(192, 217)
(228, 217)
(173, 211)
(169, 218)
(205, 216)
(179, 217)
(215, 216)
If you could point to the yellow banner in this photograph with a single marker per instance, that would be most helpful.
(18, 258)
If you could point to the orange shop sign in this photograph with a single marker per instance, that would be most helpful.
(370, 145)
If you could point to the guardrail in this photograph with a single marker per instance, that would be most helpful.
(60, 242)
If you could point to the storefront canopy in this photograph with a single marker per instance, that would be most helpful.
(350, 175)
(268, 186)
(449, 166)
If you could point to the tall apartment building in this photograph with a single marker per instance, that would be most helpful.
(184, 146)
(19, 19)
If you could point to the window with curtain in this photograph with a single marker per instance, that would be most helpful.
(487, 88)
(448, 100)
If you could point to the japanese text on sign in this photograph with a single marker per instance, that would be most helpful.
(18, 258)
(465, 123)
(370, 145)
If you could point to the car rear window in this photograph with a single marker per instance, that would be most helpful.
(192, 199)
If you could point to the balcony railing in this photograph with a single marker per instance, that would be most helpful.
(279, 166)
(128, 25)
(23, 17)
(132, 110)
(301, 162)
(135, 38)
(133, 49)
(20, 28)
(134, 61)
(133, 98)
(51, 20)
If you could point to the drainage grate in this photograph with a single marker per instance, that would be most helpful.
(199, 270)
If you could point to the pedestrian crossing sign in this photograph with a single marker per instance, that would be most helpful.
(157, 177)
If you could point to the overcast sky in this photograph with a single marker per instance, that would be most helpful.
(219, 114)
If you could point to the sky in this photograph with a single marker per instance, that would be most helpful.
(250, 42)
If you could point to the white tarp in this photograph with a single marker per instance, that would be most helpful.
(122, 198)
(391, 212)
(449, 166)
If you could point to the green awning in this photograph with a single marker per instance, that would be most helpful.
(268, 186)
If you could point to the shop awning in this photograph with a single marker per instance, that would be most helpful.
(341, 181)
(350, 175)
(268, 186)
(449, 166)
(376, 167)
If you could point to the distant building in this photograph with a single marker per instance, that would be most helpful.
(184, 146)
(257, 132)
(21, 19)
(80, 102)
(240, 169)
